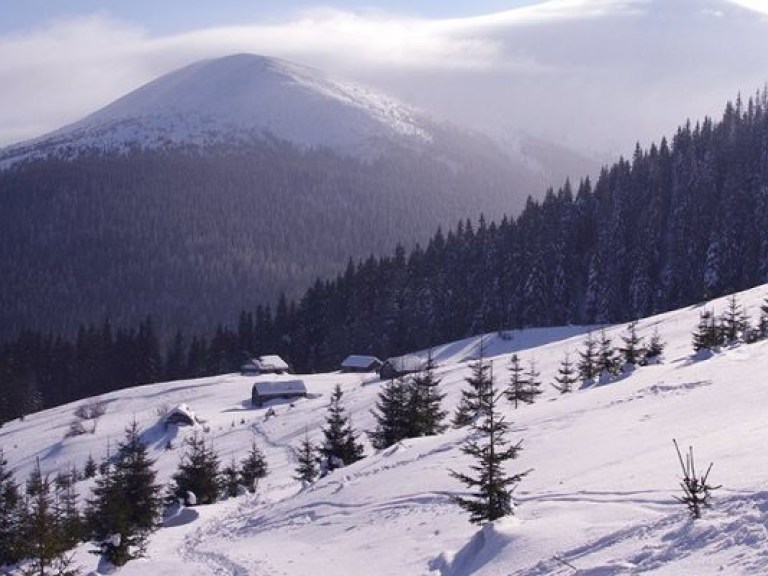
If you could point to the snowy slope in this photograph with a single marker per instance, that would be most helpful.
(237, 99)
(600, 496)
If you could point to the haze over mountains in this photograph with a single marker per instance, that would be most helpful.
(223, 184)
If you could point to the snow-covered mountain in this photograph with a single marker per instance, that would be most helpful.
(598, 502)
(237, 99)
(304, 172)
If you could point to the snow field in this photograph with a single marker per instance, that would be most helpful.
(599, 497)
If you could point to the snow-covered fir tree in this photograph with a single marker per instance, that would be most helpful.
(391, 414)
(230, 479)
(567, 376)
(588, 361)
(655, 348)
(306, 469)
(425, 402)
(633, 351)
(517, 388)
(125, 505)
(491, 484)
(10, 515)
(198, 472)
(762, 323)
(733, 322)
(340, 446)
(708, 335)
(44, 546)
(253, 468)
(607, 362)
(474, 398)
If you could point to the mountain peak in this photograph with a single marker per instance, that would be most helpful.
(235, 98)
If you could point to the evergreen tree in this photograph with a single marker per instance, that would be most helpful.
(391, 414)
(253, 468)
(489, 447)
(566, 376)
(41, 530)
(90, 469)
(733, 322)
(607, 363)
(10, 515)
(71, 524)
(306, 470)
(532, 375)
(198, 472)
(230, 480)
(125, 507)
(655, 348)
(632, 352)
(708, 335)
(588, 363)
(426, 403)
(517, 389)
(474, 399)
(340, 446)
(762, 324)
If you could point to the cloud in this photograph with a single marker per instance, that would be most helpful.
(589, 73)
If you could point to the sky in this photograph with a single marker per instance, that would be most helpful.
(596, 75)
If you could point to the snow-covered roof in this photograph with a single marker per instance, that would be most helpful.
(407, 363)
(271, 362)
(181, 412)
(279, 387)
(357, 361)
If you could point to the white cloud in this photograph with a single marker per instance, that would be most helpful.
(594, 72)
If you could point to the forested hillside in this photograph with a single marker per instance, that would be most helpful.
(678, 223)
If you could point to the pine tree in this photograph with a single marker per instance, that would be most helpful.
(762, 324)
(733, 322)
(517, 389)
(655, 348)
(125, 508)
(426, 403)
(41, 529)
(71, 524)
(532, 375)
(253, 468)
(489, 447)
(607, 364)
(474, 399)
(230, 480)
(566, 376)
(90, 469)
(708, 335)
(391, 415)
(340, 446)
(198, 472)
(588, 363)
(10, 515)
(633, 352)
(306, 471)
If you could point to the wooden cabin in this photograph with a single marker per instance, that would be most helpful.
(269, 364)
(401, 365)
(277, 389)
(357, 363)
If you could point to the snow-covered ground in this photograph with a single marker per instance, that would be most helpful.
(598, 502)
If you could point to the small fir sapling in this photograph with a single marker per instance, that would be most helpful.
(696, 490)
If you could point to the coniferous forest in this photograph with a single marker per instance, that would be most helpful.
(679, 222)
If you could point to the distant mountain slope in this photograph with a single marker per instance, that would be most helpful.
(225, 183)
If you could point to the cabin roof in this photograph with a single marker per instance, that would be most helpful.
(278, 387)
(358, 361)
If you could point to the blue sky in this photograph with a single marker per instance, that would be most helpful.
(173, 16)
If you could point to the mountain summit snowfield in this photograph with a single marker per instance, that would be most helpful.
(598, 502)
(238, 98)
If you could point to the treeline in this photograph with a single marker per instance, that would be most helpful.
(192, 236)
(679, 223)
